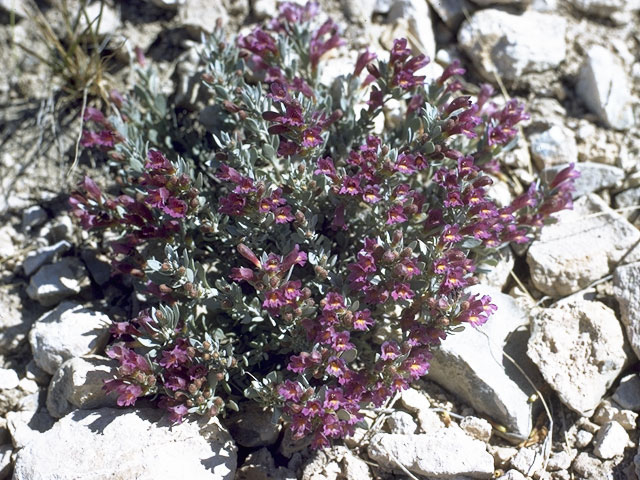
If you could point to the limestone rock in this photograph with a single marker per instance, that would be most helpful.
(627, 395)
(35, 260)
(587, 466)
(560, 460)
(604, 87)
(335, 463)
(472, 365)
(513, 45)
(78, 384)
(124, 444)
(25, 427)
(402, 423)
(553, 146)
(581, 247)
(418, 18)
(579, 348)
(498, 275)
(199, 16)
(477, 427)
(610, 441)
(68, 331)
(583, 438)
(53, 283)
(8, 379)
(607, 412)
(444, 453)
(528, 460)
(593, 176)
(626, 281)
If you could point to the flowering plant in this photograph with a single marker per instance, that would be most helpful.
(303, 260)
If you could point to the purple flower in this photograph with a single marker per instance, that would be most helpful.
(176, 356)
(290, 390)
(364, 59)
(396, 215)
(311, 137)
(402, 291)
(450, 234)
(350, 186)
(389, 350)
(333, 301)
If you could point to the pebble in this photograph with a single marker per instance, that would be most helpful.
(593, 176)
(264, 9)
(513, 475)
(560, 460)
(478, 428)
(68, 331)
(583, 438)
(443, 453)
(502, 455)
(528, 460)
(589, 467)
(132, 443)
(579, 348)
(34, 260)
(627, 395)
(26, 426)
(599, 8)
(556, 145)
(33, 217)
(402, 423)
(78, 384)
(334, 463)
(610, 441)
(53, 283)
(581, 247)
(626, 282)
(200, 16)
(607, 412)
(461, 365)
(8, 379)
(604, 87)
(513, 45)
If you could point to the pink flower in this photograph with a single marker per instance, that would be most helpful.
(402, 291)
(341, 341)
(273, 300)
(283, 214)
(334, 301)
(396, 215)
(362, 320)
(389, 350)
(336, 367)
(290, 390)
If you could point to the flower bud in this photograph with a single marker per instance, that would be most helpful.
(192, 389)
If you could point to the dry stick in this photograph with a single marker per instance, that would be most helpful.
(521, 285)
(77, 149)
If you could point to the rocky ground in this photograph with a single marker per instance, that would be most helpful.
(548, 389)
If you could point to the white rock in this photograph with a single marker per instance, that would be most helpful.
(588, 467)
(18, 7)
(501, 455)
(599, 8)
(579, 348)
(6, 464)
(553, 146)
(471, 364)
(498, 275)
(451, 12)
(8, 379)
(441, 454)
(513, 475)
(171, 4)
(25, 426)
(33, 217)
(629, 198)
(416, 14)
(610, 441)
(68, 331)
(78, 384)
(604, 87)
(414, 400)
(581, 247)
(593, 176)
(627, 395)
(477, 427)
(513, 45)
(122, 444)
(7, 244)
(335, 463)
(34, 260)
(560, 460)
(583, 438)
(607, 412)
(200, 16)
(360, 11)
(265, 9)
(626, 281)
(528, 460)
(401, 423)
(53, 283)
(102, 18)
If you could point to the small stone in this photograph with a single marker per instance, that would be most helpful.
(26, 426)
(53, 283)
(477, 427)
(604, 87)
(418, 19)
(560, 460)
(579, 348)
(265, 9)
(78, 384)
(6, 464)
(335, 463)
(35, 260)
(498, 275)
(556, 145)
(252, 426)
(402, 423)
(7, 242)
(627, 395)
(33, 217)
(528, 460)
(8, 379)
(199, 16)
(593, 177)
(460, 365)
(359, 11)
(68, 331)
(502, 455)
(429, 420)
(583, 438)
(599, 8)
(513, 45)
(607, 412)
(444, 453)
(610, 441)
(414, 400)
(589, 467)
(131, 443)
(628, 199)
(626, 282)
(513, 475)
(581, 247)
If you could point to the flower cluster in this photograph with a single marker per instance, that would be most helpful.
(303, 261)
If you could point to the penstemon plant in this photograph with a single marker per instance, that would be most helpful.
(294, 257)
